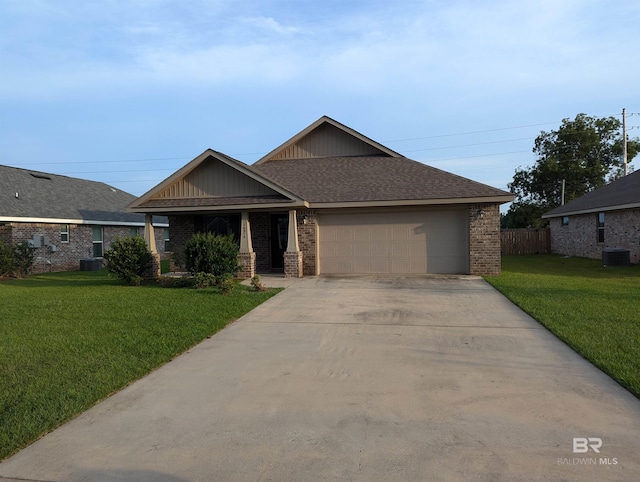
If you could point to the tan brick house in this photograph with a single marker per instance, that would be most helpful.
(332, 201)
(66, 219)
(606, 218)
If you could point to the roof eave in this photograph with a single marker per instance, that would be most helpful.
(412, 202)
(234, 163)
(223, 207)
(592, 210)
(15, 219)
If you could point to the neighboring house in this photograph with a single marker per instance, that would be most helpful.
(332, 201)
(608, 217)
(66, 219)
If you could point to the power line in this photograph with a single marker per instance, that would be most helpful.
(473, 132)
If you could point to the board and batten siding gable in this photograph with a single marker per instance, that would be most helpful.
(214, 178)
(326, 141)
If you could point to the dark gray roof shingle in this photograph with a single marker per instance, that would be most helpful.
(621, 192)
(33, 194)
(370, 178)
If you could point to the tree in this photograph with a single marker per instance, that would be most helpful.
(586, 152)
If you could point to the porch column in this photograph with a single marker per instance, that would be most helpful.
(149, 233)
(293, 255)
(153, 269)
(246, 255)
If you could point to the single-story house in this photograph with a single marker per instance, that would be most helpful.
(332, 201)
(66, 219)
(605, 218)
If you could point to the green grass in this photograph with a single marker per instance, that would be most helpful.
(592, 309)
(68, 340)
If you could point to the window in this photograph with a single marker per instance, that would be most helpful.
(222, 224)
(64, 233)
(166, 240)
(601, 227)
(97, 241)
(565, 220)
(133, 231)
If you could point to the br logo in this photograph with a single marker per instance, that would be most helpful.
(581, 445)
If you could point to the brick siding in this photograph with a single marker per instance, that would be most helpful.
(484, 240)
(67, 255)
(580, 236)
(307, 239)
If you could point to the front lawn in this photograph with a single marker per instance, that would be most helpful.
(594, 310)
(68, 340)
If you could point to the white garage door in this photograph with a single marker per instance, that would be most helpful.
(434, 241)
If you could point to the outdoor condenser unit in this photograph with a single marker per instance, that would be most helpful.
(615, 257)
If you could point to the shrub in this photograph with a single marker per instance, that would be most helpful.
(127, 259)
(23, 257)
(257, 283)
(16, 260)
(209, 253)
(226, 284)
(6, 259)
(204, 280)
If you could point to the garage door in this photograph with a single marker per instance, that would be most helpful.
(434, 241)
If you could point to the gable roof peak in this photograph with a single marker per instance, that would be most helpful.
(327, 137)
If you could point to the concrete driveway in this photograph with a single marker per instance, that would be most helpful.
(359, 379)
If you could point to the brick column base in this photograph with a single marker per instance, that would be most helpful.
(293, 264)
(247, 262)
(152, 271)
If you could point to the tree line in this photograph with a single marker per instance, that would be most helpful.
(585, 152)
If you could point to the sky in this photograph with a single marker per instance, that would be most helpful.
(128, 91)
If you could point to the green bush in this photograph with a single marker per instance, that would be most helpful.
(16, 260)
(127, 259)
(23, 257)
(226, 284)
(257, 284)
(6, 259)
(213, 254)
(204, 280)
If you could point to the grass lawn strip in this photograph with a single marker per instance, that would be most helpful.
(68, 340)
(592, 309)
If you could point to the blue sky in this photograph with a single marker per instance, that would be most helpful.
(128, 91)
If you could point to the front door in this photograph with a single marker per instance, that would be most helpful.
(279, 236)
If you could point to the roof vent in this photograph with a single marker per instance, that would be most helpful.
(40, 176)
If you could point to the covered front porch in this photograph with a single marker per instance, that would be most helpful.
(281, 241)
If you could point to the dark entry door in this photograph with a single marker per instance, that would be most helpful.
(279, 238)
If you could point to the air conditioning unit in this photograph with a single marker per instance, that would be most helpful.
(615, 257)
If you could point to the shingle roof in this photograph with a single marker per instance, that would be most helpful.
(621, 193)
(370, 178)
(32, 194)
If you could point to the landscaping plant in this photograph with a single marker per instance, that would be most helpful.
(127, 259)
(16, 260)
(213, 254)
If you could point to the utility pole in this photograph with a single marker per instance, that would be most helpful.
(624, 140)
(562, 197)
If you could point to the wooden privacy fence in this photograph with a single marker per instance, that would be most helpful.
(525, 241)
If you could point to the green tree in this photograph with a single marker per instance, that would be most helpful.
(586, 152)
